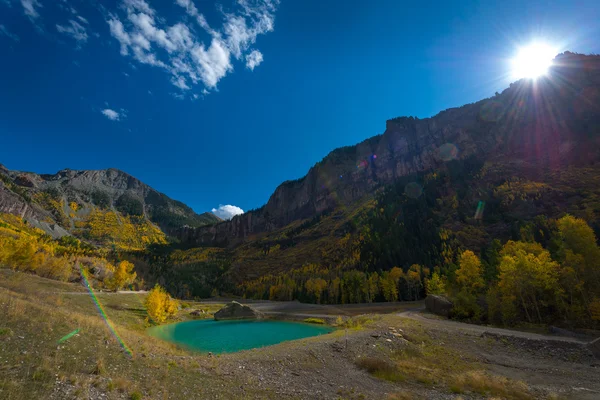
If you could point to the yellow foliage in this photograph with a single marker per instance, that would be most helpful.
(122, 276)
(469, 275)
(435, 284)
(316, 287)
(160, 305)
(519, 189)
(126, 232)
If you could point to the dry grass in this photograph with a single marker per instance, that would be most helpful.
(424, 361)
(484, 383)
(32, 360)
(380, 368)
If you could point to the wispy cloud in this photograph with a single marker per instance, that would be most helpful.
(143, 35)
(8, 34)
(227, 211)
(254, 59)
(29, 6)
(111, 114)
(75, 30)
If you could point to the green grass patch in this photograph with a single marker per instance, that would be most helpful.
(319, 321)
(5, 332)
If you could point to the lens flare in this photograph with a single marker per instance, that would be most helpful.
(102, 312)
(69, 336)
(413, 190)
(533, 61)
(479, 211)
(448, 152)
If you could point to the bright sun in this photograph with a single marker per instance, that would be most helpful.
(533, 61)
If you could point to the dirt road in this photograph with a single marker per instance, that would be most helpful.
(416, 314)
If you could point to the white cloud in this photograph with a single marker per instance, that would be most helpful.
(29, 6)
(111, 114)
(8, 34)
(85, 21)
(144, 35)
(192, 11)
(213, 63)
(75, 30)
(227, 211)
(254, 59)
(180, 82)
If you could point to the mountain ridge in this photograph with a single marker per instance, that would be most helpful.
(511, 124)
(46, 199)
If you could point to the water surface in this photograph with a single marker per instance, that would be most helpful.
(231, 336)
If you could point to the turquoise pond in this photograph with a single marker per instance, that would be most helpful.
(231, 336)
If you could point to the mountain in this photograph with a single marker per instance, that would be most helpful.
(418, 195)
(540, 125)
(65, 202)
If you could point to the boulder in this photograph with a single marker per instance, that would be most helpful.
(438, 305)
(235, 310)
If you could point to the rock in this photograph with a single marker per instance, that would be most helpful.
(197, 313)
(439, 305)
(24, 180)
(235, 310)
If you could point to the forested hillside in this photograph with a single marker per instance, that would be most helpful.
(495, 204)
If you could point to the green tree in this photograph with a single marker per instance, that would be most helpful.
(469, 278)
(528, 282)
(372, 287)
(435, 284)
(388, 287)
(580, 272)
(315, 287)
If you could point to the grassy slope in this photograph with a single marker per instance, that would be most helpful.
(35, 313)
(318, 241)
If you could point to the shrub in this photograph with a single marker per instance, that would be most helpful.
(379, 368)
(319, 321)
(135, 395)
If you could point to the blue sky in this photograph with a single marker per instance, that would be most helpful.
(218, 103)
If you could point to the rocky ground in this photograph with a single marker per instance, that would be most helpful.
(402, 355)
(326, 367)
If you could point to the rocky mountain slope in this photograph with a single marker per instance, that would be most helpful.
(546, 124)
(61, 203)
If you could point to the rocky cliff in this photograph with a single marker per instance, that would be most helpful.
(547, 123)
(51, 200)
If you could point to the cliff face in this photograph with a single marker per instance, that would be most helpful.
(45, 199)
(548, 123)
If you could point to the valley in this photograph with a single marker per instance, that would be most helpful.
(374, 356)
(492, 209)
